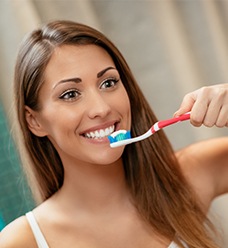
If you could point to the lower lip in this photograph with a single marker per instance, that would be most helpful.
(97, 141)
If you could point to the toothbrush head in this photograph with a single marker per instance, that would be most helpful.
(120, 135)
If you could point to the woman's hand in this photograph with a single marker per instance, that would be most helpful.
(208, 106)
(205, 163)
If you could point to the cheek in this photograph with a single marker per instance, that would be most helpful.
(61, 128)
(57, 121)
(124, 104)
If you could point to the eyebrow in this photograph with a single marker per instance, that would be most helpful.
(101, 73)
(78, 80)
(75, 80)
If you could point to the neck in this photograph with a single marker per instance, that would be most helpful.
(94, 187)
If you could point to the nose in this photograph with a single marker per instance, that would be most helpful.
(98, 105)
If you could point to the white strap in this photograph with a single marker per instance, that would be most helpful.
(41, 242)
(173, 245)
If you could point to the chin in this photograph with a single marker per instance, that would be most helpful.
(109, 157)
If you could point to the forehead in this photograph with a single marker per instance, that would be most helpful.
(76, 59)
(79, 53)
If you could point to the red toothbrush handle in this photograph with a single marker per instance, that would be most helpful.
(165, 123)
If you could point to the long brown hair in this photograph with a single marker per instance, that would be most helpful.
(160, 192)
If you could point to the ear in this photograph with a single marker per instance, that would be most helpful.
(33, 123)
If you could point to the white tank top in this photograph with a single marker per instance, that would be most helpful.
(40, 239)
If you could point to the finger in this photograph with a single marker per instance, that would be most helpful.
(186, 105)
(200, 108)
(216, 113)
(213, 112)
(222, 120)
(198, 114)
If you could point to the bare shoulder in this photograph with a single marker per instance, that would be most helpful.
(205, 165)
(17, 234)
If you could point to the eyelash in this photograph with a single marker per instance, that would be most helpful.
(67, 95)
(108, 80)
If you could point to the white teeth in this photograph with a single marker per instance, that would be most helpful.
(98, 134)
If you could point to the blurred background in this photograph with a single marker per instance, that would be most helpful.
(172, 46)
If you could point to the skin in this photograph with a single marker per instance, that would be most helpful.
(205, 163)
(93, 208)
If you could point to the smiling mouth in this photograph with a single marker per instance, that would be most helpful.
(100, 134)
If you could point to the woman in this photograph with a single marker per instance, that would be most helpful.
(72, 89)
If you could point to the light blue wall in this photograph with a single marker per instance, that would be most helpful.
(15, 198)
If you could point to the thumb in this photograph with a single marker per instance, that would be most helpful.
(186, 105)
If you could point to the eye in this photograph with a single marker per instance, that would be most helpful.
(109, 83)
(69, 95)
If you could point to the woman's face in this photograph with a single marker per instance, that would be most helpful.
(82, 101)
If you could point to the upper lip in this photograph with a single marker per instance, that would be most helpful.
(98, 127)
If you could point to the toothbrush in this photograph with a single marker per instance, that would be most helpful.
(123, 137)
